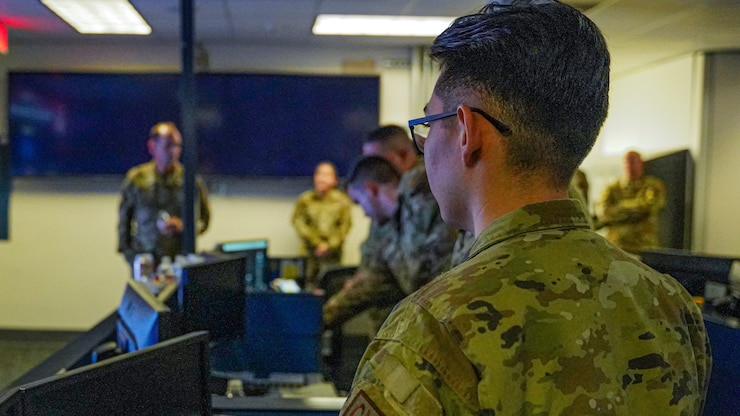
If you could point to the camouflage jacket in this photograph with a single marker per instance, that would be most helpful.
(399, 256)
(419, 245)
(630, 211)
(144, 195)
(327, 219)
(546, 317)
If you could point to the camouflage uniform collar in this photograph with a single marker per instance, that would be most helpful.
(173, 177)
(151, 166)
(626, 183)
(177, 170)
(549, 215)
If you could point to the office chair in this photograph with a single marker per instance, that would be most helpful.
(331, 280)
(337, 366)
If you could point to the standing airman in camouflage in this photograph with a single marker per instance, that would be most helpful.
(150, 211)
(545, 317)
(630, 207)
(322, 219)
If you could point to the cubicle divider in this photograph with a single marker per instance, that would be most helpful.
(723, 395)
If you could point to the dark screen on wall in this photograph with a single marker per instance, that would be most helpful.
(248, 124)
(4, 186)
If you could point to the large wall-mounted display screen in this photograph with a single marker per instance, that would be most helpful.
(247, 124)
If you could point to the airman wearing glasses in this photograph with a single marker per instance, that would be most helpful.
(545, 317)
(150, 210)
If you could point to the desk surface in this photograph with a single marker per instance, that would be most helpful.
(315, 397)
(223, 404)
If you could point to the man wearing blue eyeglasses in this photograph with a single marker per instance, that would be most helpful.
(545, 317)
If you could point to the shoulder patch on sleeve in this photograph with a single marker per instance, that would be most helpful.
(361, 405)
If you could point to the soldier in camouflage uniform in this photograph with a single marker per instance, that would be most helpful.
(322, 219)
(545, 317)
(630, 207)
(150, 211)
(373, 287)
(411, 243)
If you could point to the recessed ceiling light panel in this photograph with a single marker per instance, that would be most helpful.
(100, 16)
(377, 25)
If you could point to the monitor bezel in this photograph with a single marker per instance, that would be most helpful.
(210, 295)
(174, 349)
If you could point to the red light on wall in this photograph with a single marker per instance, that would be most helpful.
(3, 39)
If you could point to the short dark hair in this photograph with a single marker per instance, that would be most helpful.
(542, 67)
(384, 133)
(391, 138)
(372, 168)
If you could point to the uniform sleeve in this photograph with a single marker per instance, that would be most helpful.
(612, 212)
(370, 290)
(389, 387)
(655, 195)
(204, 208)
(702, 350)
(125, 216)
(409, 369)
(648, 201)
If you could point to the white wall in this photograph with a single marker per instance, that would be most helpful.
(667, 107)
(718, 187)
(655, 110)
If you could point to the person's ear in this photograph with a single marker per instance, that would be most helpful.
(471, 137)
(150, 144)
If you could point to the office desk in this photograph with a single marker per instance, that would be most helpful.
(271, 406)
(283, 335)
(318, 399)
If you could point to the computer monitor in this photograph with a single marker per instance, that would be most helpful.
(256, 277)
(283, 333)
(287, 268)
(170, 379)
(211, 296)
(692, 270)
(143, 319)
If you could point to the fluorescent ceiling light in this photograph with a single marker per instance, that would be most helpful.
(117, 17)
(375, 25)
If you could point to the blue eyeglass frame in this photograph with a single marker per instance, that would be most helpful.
(420, 140)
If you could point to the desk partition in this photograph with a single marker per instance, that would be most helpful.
(723, 397)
